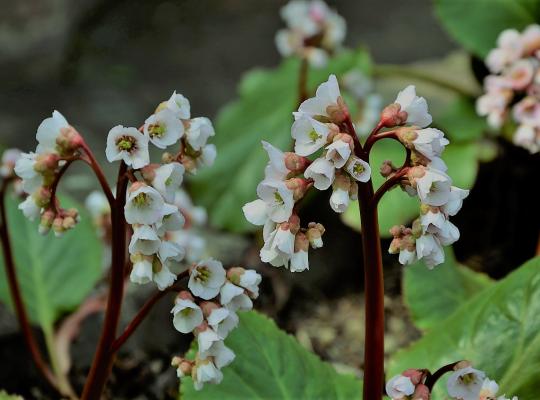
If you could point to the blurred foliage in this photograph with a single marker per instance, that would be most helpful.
(498, 330)
(55, 274)
(477, 24)
(5, 396)
(270, 364)
(263, 112)
(432, 296)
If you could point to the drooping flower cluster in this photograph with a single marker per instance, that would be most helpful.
(58, 144)
(465, 383)
(153, 206)
(513, 88)
(318, 131)
(313, 31)
(209, 310)
(427, 179)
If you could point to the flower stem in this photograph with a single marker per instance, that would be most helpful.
(103, 359)
(16, 296)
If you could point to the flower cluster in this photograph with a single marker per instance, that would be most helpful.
(313, 31)
(465, 383)
(318, 128)
(513, 88)
(58, 144)
(153, 202)
(209, 310)
(426, 178)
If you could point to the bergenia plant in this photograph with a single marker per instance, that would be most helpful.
(511, 102)
(145, 217)
(328, 154)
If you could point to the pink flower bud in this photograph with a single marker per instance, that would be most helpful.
(299, 186)
(46, 162)
(387, 168)
(294, 223)
(415, 375)
(421, 392)
(301, 242)
(201, 328)
(295, 163)
(314, 234)
(395, 246)
(185, 295)
(149, 172)
(407, 135)
(392, 116)
(234, 274)
(42, 196)
(68, 223)
(338, 112)
(189, 163)
(57, 226)
(207, 307)
(68, 141)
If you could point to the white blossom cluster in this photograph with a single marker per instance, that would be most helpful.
(209, 310)
(426, 178)
(313, 31)
(153, 205)
(465, 383)
(513, 88)
(316, 131)
(58, 142)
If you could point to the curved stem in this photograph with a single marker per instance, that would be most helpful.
(103, 359)
(432, 379)
(91, 160)
(389, 184)
(16, 296)
(373, 138)
(143, 312)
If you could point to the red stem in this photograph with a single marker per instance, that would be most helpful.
(15, 291)
(91, 160)
(143, 312)
(104, 357)
(432, 379)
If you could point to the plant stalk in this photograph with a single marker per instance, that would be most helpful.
(104, 357)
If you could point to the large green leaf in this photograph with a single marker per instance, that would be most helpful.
(498, 331)
(396, 207)
(55, 274)
(263, 112)
(270, 364)
(433, 295)
(476, 24)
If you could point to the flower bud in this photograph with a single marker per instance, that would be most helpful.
(392, 116)
(407, 135)
(334, 130)
(234, 274)
(396, 231)
(185, 295)
(387, 168)
(46, 222)
(183, 366)
(167, 157)
(189, 163)
(149, 172)
(42, 197)
(415, 375)
(301, 242)
(296, 163)
(207, 307)
(395, 246)
(314, 234)
(299, 187)
(68, 141)
(421, 392)
(338, 112)
(46, 162)
(58, 227)
(353, 191)
(417, 229)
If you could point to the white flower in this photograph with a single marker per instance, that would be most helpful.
(141, 272)
(221, 354)
(208, 156)
(299, 261)
(493, 105)
(205, 372)
(433, 187)
(415, 107)
(97, 204)
(358, 169)
(465, 383)
(489, 390)
(9, 160)
(256, 212)
(187, 315)
(430, 142)
(278, 197)
(250, 281)
(206, 338)
(223, 321)
(454, 201)
(234, 298)
(327, 94)
(520, 74)
(167, 179)
(430, 250)
(322, 172)
(436, 224)
(24, 168)
(407, 257)
(29, 208)
(527, 111)
(163, 277)
(163, 128)
(338, 153)
(144, 205)
(509, 48)
(399, 387)
(47, 132)
(170, 252)
(172, 219)
(309, 134)
(144, 240)
(276, 169)
(206, 279)
(200, 129)
(339, 201)
(179, 105)
(278, 244)
(527, 137)
(129, 145)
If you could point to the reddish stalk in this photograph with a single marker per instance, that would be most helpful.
(16, 296)
(104, 357)
(143, 312)
(432, 379)
(91, 160)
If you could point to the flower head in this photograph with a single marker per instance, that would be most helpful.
(129, 145)
(415, 107)
(206, 279)
(144, 205)
(163, 128)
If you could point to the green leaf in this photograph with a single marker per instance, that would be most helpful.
(460, 121)
(433, 295)
(55, 274)
(263, 112)
(477, 24)
(498, 330)
(396, 207)
(270, 364)
(5, 396)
